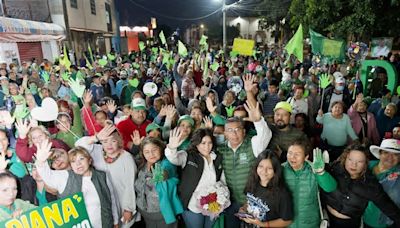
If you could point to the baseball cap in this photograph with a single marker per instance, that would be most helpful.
(283, 105)
(186, 118)
(152, 126)
(138, 104)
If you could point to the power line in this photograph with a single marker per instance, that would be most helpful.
(176, 18)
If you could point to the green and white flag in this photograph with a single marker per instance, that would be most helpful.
(330, 48)
(182, 49)
(162, 37)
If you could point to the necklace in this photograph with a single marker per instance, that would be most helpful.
(110, 160)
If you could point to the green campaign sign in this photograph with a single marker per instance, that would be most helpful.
(66, 212)
(366, 66)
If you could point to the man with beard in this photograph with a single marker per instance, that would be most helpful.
(282, 132)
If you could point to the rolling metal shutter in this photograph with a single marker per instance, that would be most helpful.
(29, 50)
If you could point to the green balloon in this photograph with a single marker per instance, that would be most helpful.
(134, 82)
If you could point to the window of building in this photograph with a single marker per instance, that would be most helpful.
(74, 4)
(93, 7)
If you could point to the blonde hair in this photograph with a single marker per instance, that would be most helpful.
(73, 153)
(38, 128)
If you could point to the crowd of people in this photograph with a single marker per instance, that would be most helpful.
(291, 153)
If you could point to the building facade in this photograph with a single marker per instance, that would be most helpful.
(87, 22)
(27, 31)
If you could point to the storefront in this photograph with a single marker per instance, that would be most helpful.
(22, 40)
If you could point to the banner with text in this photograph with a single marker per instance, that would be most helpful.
(67, 212)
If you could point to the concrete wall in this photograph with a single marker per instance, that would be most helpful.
(248, 27)
(8, 52)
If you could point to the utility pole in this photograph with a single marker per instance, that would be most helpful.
(224, 26)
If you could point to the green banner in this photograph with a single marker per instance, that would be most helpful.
(67, 212)
(330, 48)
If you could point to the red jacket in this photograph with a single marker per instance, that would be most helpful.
(127, 127)
(25, 153)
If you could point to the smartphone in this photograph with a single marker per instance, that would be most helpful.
(244, 215)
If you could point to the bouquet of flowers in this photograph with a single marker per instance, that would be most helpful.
(213, 199)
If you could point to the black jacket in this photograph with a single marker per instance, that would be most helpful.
(328, 95)
(27, 187)
(191, 175)
(352, 195)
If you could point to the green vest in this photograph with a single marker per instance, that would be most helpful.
(304, 188)
(74, 185)
(236, 166)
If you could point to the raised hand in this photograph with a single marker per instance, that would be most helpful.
(105, 132)
(170, 112)
(23, 128)
(7, 119)
(318, 164)
(175, 139)
(324, 81)
(196, 92)
(210, 106)
(163, 111)
(248, 81)
(77, 87)
(111, 106)
(87, 97)
(167, 82)
(136, 139)
(253, 111)
(208, 122)
(3, 162)
(43, 151)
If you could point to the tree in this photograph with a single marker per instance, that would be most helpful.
(272, 12)
(342, 18)
(214, 33)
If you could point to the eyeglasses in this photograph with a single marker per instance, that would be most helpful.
(234, 130)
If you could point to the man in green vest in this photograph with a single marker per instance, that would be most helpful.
(239, 153)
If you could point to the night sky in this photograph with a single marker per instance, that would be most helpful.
(168, 12)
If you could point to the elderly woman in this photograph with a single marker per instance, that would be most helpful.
(110, 157)
(30, 137)
(387, 171)
(363, 122)
(95, 185)
(356, 186)
(336, 129)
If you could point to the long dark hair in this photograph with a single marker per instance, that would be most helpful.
(155, 141)
(198, 136)
(276, 183)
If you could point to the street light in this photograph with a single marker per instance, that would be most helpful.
(224, 7)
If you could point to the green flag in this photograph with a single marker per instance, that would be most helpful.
(66, 61)
(334, 49)
(295, 45)
(203, 40)
(162, 37)
(90, 53)
(182, 49)
(141, 45)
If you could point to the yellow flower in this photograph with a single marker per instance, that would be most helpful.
(213, 207)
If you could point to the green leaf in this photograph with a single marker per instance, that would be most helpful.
(233, 54)
(134, 82)
(141, 45)
(230, 110)
(110, 57)
(65, 76)
(103, 62)
(214, 66)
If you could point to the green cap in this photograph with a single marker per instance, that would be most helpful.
(186, 118)
(152, 126)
